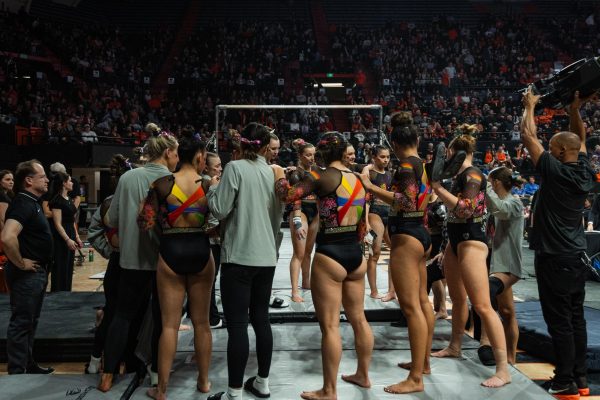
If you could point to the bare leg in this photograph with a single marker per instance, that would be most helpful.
(326, 283)
(171, 294)
(506, 308)
(459, 305)
(473, 270)
(379, 229)
(310, 244)
(299, 246)
(199, 291)
(353, 292)
(408, 271)
(439, 299)
(391, 294)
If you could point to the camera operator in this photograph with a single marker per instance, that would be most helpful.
(559, 242)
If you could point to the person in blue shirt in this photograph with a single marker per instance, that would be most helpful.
(531, 187)
(519, 190)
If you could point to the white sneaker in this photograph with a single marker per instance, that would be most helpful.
(153, 377)
(217, 325)
(94, 366)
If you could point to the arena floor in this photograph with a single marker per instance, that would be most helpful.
(296, 356)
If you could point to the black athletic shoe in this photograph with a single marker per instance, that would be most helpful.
(562, 391)
(582, 385)
(249, 386)
(36, 369)
(216, 396)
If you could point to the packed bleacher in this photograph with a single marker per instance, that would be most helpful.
(428, 67)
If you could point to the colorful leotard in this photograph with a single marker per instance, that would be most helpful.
(185, 249)
(412, 191)
(342, 200)
(465, 221)
(308, 204)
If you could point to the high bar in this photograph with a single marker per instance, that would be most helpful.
(297, 106)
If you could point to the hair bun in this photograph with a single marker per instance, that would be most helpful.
(466, 129)
(297, 143)
(401, 118)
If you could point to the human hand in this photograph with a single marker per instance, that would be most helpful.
(530, 99)
(301, 233)
(364, 178)
(71, 244)
(29, 265)
(214, 181)
(79, 242)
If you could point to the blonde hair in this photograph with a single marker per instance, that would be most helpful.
(156, 146)
(464, 138)
(152, 129)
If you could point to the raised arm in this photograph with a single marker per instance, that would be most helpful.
(503, 209)
(289, 193)
(465, 204)
(528, 127)
(576, 123)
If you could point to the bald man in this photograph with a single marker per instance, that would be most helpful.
(559, 243)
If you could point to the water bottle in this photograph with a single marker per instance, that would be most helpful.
(91, 255)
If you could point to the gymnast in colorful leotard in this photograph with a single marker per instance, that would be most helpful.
(411, 245)
(465, 256)
(303, 220)
(378, 212)
(338, 267)
(177, 203)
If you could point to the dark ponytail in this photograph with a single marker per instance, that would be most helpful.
(506, 177)
(254, 136)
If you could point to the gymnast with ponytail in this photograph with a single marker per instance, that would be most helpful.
(303, 220)
(465, 256)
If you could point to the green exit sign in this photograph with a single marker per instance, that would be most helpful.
(330, 75)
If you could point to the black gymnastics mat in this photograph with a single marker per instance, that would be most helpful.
(65, 328)
(535, 340)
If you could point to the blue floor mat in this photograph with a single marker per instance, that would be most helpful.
(535, 340)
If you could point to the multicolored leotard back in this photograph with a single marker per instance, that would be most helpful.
(166, 204)
(342, 200)
(469, 186)
(412, 190)
(185, 207)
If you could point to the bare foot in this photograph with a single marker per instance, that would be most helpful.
(375, 295)
(153, 393)
(203, 387)
(447, 352)
(106, 381)
(406, 386)
(389, 296)
(408, 366)
(498, 380)
(357, 380)
(296, 298)
(441, 315)
(183, 327)
(318, 395)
